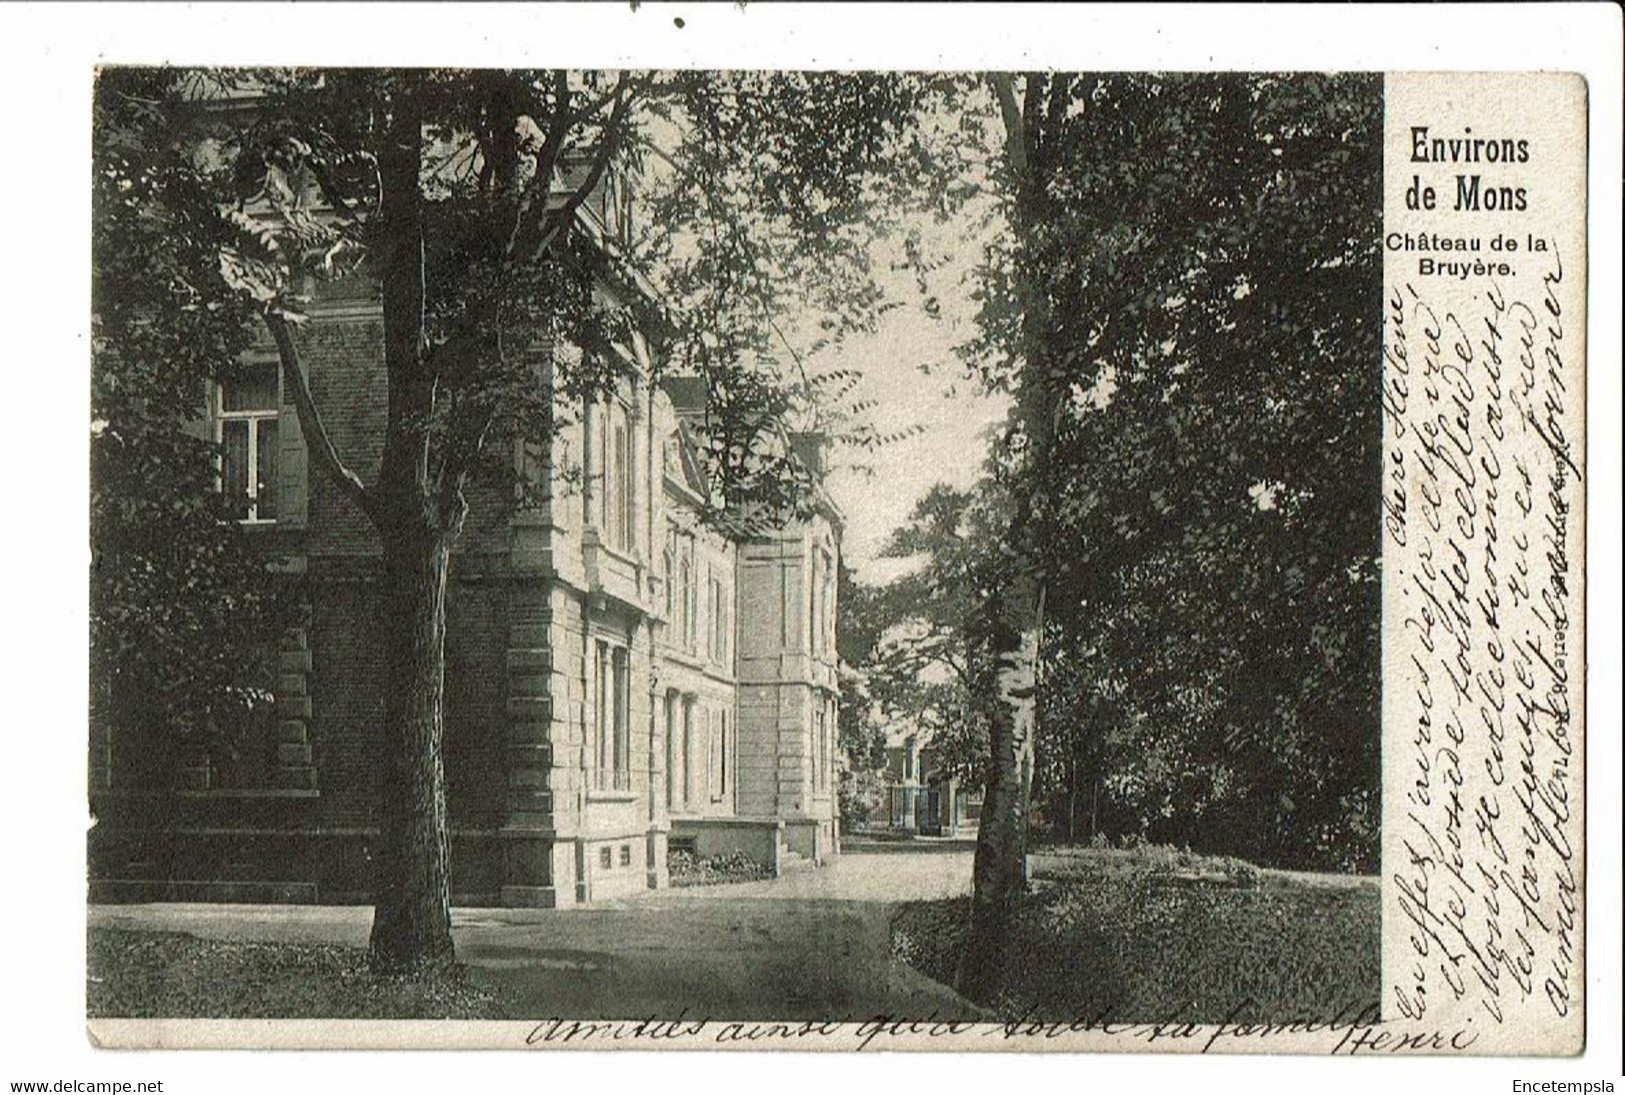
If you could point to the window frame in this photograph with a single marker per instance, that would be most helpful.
(613, 510)
(716, 755)
(253, 418)
(612, 721)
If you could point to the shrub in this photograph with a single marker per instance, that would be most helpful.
(688, 869)
(1147, 947)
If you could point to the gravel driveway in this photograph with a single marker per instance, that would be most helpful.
(813, 944)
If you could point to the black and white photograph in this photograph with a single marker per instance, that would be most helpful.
(840, 543)
(592, 547)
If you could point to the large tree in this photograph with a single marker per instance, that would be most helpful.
(926, 661)
(1020, 324)
(458, 193)
(1182, 308)
(1212, 471)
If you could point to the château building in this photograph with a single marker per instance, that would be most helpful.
(621, 680)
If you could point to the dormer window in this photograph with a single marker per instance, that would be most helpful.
(246, 429)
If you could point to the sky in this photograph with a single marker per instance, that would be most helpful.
(951, 412)
(954, 415)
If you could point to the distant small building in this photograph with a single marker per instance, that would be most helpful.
(920, 795)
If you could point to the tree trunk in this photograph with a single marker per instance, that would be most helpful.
(1094, 811)
(411, 926)
(999, 872)
(1072, 805)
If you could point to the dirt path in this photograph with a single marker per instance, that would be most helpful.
(814, 944)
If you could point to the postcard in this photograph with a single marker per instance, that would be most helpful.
(761, 558)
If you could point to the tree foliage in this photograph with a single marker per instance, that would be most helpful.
(1204, 509)
(180, 604)
(921, 640)
(461, 197)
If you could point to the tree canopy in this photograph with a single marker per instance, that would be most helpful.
(1203, 512)
(179, 602)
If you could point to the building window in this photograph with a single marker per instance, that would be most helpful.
(606, 857)
(826, 601)
(246, 428)
(601, 714)
(621, 518)
(613, 507)
(717, 757)
(830, 726)
(612, 725)
(691, 599)
(670, 560)
(621, 746)
(812, 605)
(820, 751)
(605, 476)
(821, 603)
(689, 766)
(685, 599)
(674, 750)
(718, 603)
(713, 602)
(626, 855)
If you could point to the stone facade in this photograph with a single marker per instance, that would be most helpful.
(620, 679)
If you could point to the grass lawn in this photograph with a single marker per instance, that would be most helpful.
(1144, 939)
(138, 974)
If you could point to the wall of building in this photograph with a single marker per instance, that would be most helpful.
(788, 677)
(531, 594)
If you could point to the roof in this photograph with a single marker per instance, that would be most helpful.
(689, 474)
(688, 394)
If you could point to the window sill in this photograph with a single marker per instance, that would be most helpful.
(612, 796)
(623, 555)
